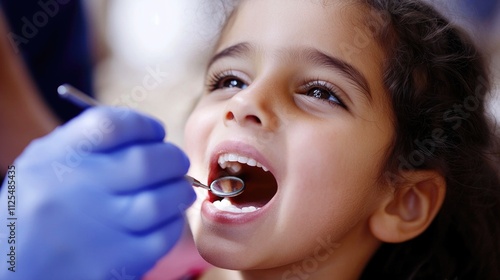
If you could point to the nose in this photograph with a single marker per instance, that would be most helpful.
(249, 108)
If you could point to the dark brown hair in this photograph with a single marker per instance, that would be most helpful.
(438, 83)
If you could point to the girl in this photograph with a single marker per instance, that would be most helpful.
(358, 126)
(360, 130)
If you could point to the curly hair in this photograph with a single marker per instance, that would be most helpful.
(438, 84)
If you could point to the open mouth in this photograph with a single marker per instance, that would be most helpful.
(260, 183)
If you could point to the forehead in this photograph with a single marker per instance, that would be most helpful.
(333, 24)
(337, 28)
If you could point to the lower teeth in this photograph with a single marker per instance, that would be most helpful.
(225, 205)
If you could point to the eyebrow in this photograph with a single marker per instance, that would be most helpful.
(237, 50)
(316, 56)
(336, 64)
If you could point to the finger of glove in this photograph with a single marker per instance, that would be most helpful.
(93, 244)
(104, 128)
(137, 167)
(154, 208)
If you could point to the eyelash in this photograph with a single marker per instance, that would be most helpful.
(329, 88)
(216, 79)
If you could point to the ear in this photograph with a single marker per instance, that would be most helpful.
(410, 208)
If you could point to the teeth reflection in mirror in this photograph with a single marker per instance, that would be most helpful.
(225, 205)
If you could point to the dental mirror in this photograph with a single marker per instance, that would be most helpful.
(227, 186)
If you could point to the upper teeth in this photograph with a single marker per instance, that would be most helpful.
(227, 160)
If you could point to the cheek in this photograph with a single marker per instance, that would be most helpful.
(333, 175)
(196, 132)
(340, 155)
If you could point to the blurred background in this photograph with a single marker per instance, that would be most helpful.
(169, 37)
(481, 19)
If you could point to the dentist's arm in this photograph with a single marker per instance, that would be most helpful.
(23, 114)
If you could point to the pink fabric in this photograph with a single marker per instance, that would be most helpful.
(181, 262)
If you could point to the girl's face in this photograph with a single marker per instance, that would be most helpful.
(295, 93)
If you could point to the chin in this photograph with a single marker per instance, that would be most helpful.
(226, 256)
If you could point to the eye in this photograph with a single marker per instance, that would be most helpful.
(226, 79)
(232, 82)
(319, 93)
(323, 91)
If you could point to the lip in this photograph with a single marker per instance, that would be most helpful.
(208, 210)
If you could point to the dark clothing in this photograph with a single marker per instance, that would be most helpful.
(53, 39)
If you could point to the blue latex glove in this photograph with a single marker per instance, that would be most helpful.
(101, 197)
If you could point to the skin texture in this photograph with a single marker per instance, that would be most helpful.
(325, 157)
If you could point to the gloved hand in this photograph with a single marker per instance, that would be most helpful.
(101, 197)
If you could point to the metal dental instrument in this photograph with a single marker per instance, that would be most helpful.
(227, 186)
(76, 97)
